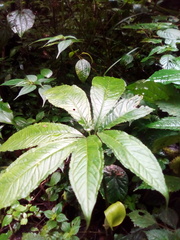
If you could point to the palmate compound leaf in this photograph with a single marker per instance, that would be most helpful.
(135, 156)
(105, 92)
(27, 172)
(38, 135)
(86, 172)
(125, 110)
(74, 100)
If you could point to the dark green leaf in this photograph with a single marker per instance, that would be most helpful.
(169, 217)
(142, 218)
(152, 91)
(115, 183)
(158, 234)
(172, 183)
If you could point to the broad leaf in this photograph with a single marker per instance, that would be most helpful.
(172, 106)
(86, 172)
(151, 91)
(114, 214)
(26, 173)
(161, 49)
(115, 184)
(21, 21)
(39, 134)
(63, 45)
(172, 183)
(171, 123)
(125, 110)
(42, 90)
(169, 217)
(26, 89)
(83, 69)
(6, 114)
(165, 139)
(74, 101)
(46, 72)
(105, 92)
(170, 62)
(171, 36)
(16, 82)
(142, 218)
(135, 156)
(158, 234)
(166, 76)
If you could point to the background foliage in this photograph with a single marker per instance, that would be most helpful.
(133, 40)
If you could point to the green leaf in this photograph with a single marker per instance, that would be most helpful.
(63, 45)
(149, 26)
(16, 82)
(86, 172)
(27, 172)
(42, 91)
(142, 218)
(32, 78)
(55, 178)
(166, 76)
(21, 21)
(115, 215)
(135, 156)
(171, 123)
(6, 114)
(125, 110)
(169, 217)
(7, 220)
(105, 92)
(38, 135)
(83, 69)
(151, 91)
(164, 138)
(172, 183)
(25, 90)
(171, 106)
(161, 49)
(115, 182)
(61, 218)
(158, 234)
(32, 236)
(46, 72)
(74, 100)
